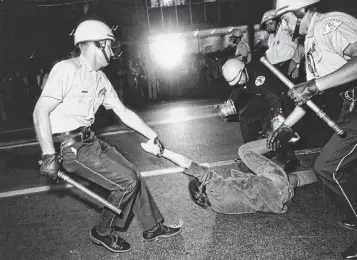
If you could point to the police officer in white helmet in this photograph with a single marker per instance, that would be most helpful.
(242, 51)
(261, 88)
(63, 116)
(283, 49)
(331, 63)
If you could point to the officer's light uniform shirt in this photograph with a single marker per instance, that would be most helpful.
(328, 36)
(281, 46)
(81, 90)
(243, 50)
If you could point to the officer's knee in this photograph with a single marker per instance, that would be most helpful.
(320, 169)
(134, 181)
(129, 182)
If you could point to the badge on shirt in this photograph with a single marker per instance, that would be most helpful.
(102, 92)
(259, 81)
(331, 25)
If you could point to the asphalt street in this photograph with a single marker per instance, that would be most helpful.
(42, 220)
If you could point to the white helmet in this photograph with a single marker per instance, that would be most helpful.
(92, 30)
(232, 71)
(268, 15)
(283, 6)
(237, 33)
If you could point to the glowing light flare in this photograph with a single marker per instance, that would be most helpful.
(168, 50)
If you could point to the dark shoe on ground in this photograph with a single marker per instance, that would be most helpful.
(351, 252)
(161, 231)
(112, 241)
(349, 224)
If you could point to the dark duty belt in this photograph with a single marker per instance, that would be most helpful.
(80, 134)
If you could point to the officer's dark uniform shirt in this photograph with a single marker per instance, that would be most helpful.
(264, 84)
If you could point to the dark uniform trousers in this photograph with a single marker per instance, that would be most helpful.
(331, 155)
(101, 163)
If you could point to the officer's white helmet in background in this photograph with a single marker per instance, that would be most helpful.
(92, 30)
(283, 6)
(268, 15)
(236, 33)
(232, 71)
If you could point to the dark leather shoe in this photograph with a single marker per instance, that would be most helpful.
(161, 231)
(349, 224)
(351, 252)
(112, 241)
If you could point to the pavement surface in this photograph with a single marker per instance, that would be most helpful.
(42, 220)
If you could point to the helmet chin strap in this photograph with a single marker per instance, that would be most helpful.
(102, 48)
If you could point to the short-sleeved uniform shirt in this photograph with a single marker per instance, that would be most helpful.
(328, 36)
(243, 50)
(281, 46)
(80, 90)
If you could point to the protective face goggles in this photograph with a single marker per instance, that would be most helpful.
(115, 48)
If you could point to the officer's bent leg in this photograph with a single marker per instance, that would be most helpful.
(328, 160)
(88, 161)
(144, 206)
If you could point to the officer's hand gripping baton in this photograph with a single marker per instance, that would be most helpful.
(320, 113)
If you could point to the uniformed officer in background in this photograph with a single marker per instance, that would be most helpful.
(242, 51)
(63, 116)
(262, 90)
(331, 62)
(283, 50)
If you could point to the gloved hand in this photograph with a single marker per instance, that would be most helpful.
(301, 93)
(50, 165)
(160, 145)
(280, 137)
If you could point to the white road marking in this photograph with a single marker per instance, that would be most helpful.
(119, 132)
(172, 170)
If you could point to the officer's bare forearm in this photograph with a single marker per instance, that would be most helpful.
(177, 158)
(343, 75)
(295, 116)
(43, 129)
(132, 120)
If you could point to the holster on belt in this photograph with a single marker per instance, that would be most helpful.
(62, 140)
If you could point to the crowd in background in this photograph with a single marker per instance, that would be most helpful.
(137, 80)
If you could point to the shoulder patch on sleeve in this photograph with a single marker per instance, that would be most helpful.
(331, 25)
(259, 81)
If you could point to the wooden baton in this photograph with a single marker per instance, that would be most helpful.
(319, 112)
(90, 193)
